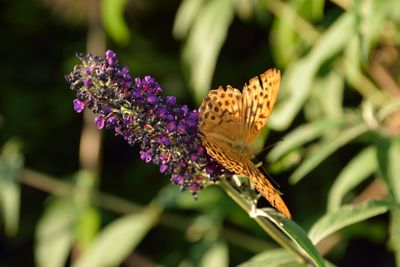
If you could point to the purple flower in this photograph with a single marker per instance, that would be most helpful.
(166, 132)
(79, 105)
(171, 126)
(177, 179)
(181, 129)
(99, 120)
(163, 140)
(111, 57)
(152, 99)
(86, 81)
(194, 156)
(146, 155)
(163, 168)
(171, 100)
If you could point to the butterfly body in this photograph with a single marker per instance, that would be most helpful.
(230, 120)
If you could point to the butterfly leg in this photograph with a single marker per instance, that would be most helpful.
(253, 211)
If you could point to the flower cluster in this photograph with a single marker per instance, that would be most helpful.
(135, 108)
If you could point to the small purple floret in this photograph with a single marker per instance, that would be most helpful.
(79, 105)
(146, 155)
(87, 81)
(100, 120)
(171, 100)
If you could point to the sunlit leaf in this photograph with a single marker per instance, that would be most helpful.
(117, 240)
(55, 233)
(89, 222)
(185, 16)
(272, 257)
(394, 233)
(295, 89)
(356, 171)
(345, 216)
(216, 255)
(112, 13)
(312, 9)
(11, 163)
(388, 160)
(87, 226)
(298, 78)
(353, 58)
(295, 233)
(326, 148)
(302, 135)
(204, 43)
(331, 97)
(372, 17)
(284, 39)
(288, 161)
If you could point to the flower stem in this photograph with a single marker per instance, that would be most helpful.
(270, 228)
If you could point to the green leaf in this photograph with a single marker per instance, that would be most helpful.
(11, 163)
(216, 255)
(272, 258)
(185, 16)
(89, 220)
(298, 78)
(283, 230)
(394, 234)
(204, 43)
(359, 168)
(345, 216)
(334, 40)
(295, 233)
(326, 148)
(55, 233)
(117, 240)
(295, 89)
(331, 98)
(353, 59)
(87, 226)
(388, 161)
(372, 21)
(112, 13)
(301, 135)
(284, 46)
(312, 9)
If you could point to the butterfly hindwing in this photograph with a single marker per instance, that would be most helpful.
(240, 165)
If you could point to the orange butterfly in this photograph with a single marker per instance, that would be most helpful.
(230, 121)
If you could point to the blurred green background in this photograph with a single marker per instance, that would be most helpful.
(69, 200)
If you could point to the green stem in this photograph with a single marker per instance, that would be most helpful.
(270, 228)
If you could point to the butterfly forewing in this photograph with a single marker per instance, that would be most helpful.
(220, 114)
(258, 102)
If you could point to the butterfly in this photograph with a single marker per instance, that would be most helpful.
(230, 120)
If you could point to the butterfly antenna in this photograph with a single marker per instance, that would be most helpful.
(266, 173)
(271, 145)
(276, 185)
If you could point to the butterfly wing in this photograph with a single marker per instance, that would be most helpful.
(235, 162)
(230, 119)
(220, 114)
(258, 102)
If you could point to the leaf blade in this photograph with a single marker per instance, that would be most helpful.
(356, 171)
(326, 148)
(117, 240)
(345, 216)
